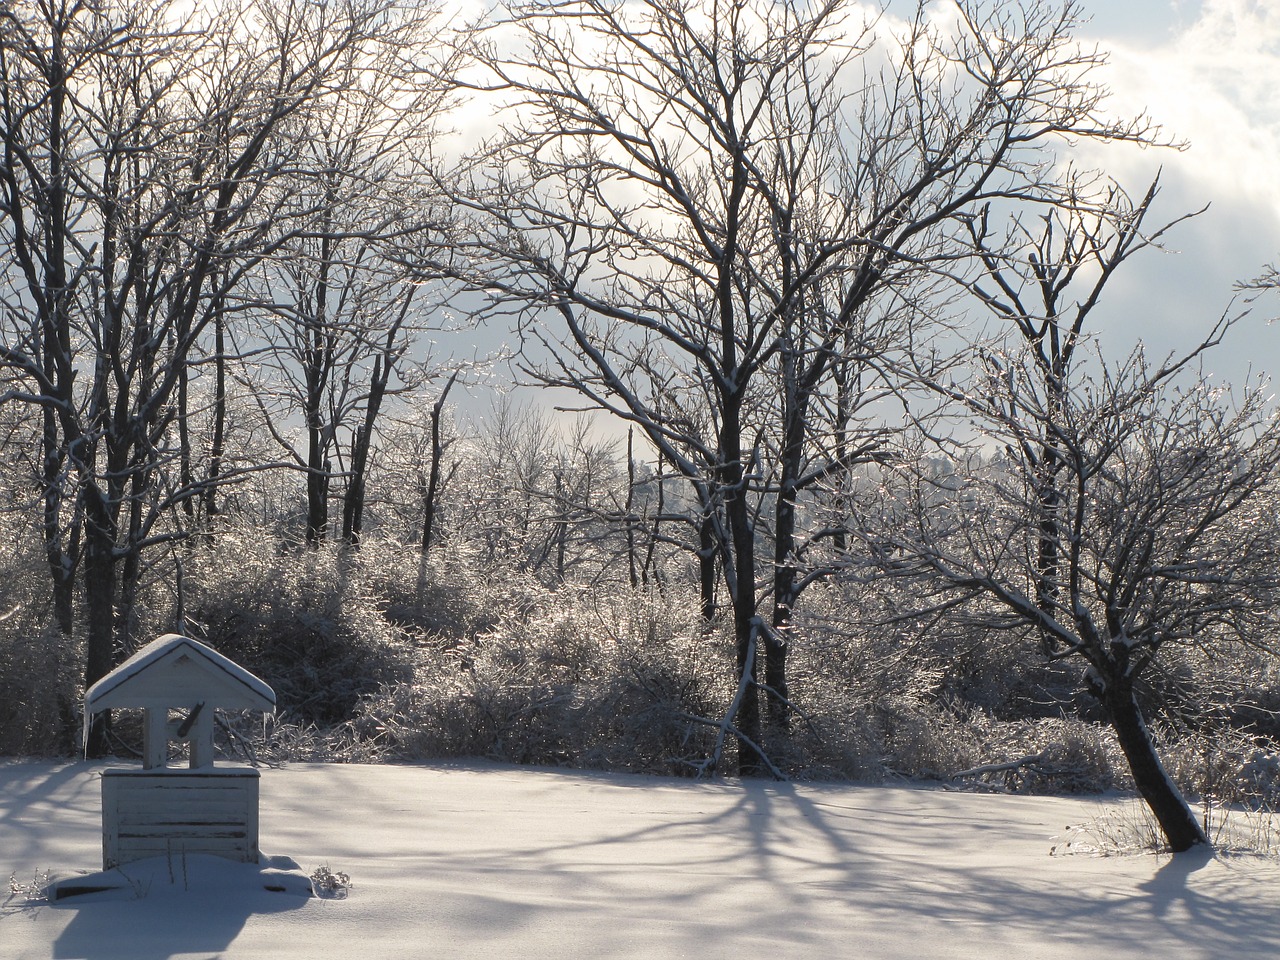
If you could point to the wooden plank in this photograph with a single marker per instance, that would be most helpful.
(187, 795)
(182, 799)
(142, 853)
(190, 831)
(185, 798)
(179, 776)
(146, 815)
(126, 822)
(131, 850)
(160, 803)
(179, 795)
(134, 818)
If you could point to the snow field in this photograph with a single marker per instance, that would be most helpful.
(487, 861)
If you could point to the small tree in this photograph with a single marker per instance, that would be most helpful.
(1113, 508)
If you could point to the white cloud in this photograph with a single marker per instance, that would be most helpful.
(1213, 84)
(1209, 74)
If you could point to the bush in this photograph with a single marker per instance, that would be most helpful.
(39, 689)
(611, 685)
(373, 658)
(926, 741)
(301, 621)
(1223, 765)
(40, 670)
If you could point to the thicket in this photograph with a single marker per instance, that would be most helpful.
(373, 662)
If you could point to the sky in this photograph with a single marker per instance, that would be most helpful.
(1208, 71)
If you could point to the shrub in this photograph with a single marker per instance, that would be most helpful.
(39, 667)
(39, 689)
(612, 684)
(300, 620)
(926, 741)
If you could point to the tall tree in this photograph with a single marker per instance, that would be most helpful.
(337, 311)
(707, 214)
(138, 141)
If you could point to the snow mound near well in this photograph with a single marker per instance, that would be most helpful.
(484, 861)
(180, 877)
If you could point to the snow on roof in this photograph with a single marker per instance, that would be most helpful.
(173, 670)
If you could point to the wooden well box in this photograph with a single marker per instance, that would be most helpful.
(164, 811)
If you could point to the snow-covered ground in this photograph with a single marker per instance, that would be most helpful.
(498, 862)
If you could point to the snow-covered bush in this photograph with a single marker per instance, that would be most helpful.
(603, 682)
(39, 693)
(300, 619)
(328, 884)
(39, 668)
(33, 891)
(926, 741)
(450, 595)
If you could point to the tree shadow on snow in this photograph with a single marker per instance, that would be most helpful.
(768, 864)
(36, 796)
(929, 865)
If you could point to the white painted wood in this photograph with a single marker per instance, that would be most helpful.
(177, 671)
(155, 739)
(179, 812)
(201, 739)
(156, 811)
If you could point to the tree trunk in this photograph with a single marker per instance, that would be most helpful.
(431, 495)
(628, 511)
(1177, 822)
(186, 472)
(649, 569)
(430, 491)
(219, 422)
(743, 596)
(353, 500)
(130, 564)
(99, 591)
(775, 669)
(1048, 502)
(317, 491)
(707, 552)
(353, 504)
(319, 438)
(747, 721)
(785, 572)
(60, 545)
(775, 641)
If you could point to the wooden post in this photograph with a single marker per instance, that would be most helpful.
(155, 739)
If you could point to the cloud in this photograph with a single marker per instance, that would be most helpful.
(1213, 84)
(1210, 78)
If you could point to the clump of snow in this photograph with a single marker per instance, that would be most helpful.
(482, 861)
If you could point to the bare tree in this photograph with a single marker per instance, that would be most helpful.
(539, 501)
(707, 215)
(1120, 506)
(138, 144)
(337, 313)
